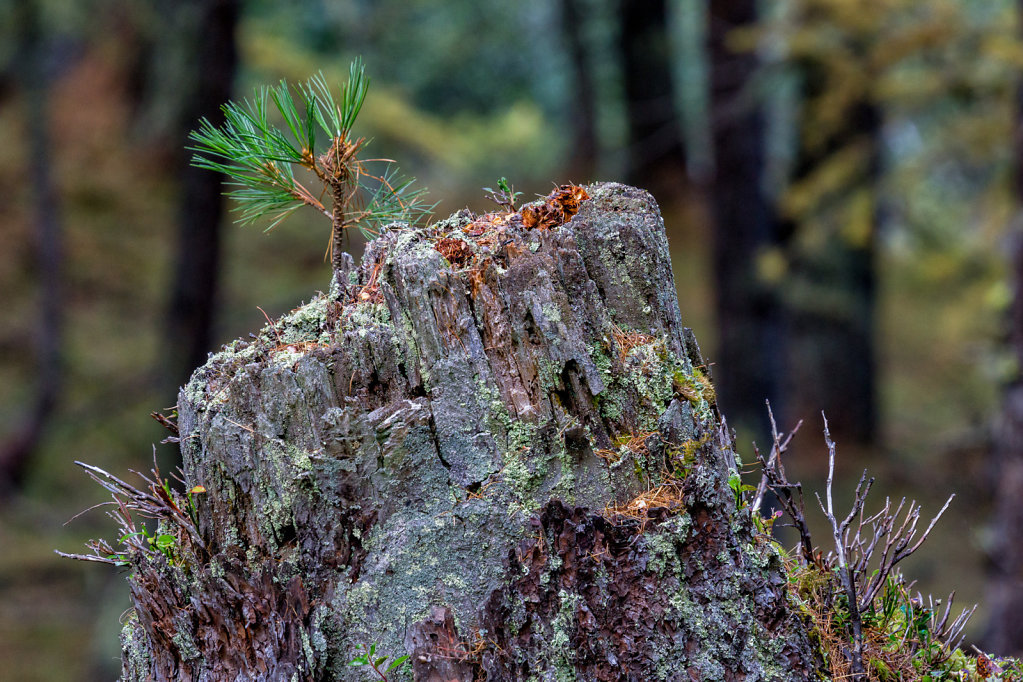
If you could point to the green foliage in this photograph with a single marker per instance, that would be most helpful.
(739, 489)
(369, 658)
(157, 542)
(261, 158)
(904, 635)
(504, 196)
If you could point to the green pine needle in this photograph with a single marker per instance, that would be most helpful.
(259, 158)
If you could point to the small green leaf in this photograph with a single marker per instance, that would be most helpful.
(397, 662)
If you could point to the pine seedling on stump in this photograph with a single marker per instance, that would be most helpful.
(260, 159)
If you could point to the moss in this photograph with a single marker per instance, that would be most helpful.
(697, 388)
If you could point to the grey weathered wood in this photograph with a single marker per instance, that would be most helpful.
(414, 458)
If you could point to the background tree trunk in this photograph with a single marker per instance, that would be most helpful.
(831, 297)
(582, 163)
(504, 461)
(656, 154)
(33, 77)
(750, 354)
(194, 290)
(1005, 585)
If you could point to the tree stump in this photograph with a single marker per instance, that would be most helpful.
(493, 447)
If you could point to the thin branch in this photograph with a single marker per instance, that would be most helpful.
(778, 448)
(838, 530)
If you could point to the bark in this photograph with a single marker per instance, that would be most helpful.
(429, 459)
(656, 153)
(750, 353)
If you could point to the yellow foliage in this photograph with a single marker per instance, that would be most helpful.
(834, 175)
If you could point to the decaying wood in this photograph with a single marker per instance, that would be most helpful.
(411, 461)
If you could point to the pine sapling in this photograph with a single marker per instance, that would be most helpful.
(260, 159)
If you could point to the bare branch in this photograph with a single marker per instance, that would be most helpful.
(838, 530)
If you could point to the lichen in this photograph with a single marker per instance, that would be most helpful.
(135, 649)
(663, 544)
(562, 627)
(183, 639)
(548, 375)
(306, 323)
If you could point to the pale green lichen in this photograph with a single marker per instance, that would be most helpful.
(365, 317)
(559, 647)
(548, 375)
(601, 360)
(183, 639)
(663, 545)
(304, 324)
(647, 379)
(551, 312)
(135, 649)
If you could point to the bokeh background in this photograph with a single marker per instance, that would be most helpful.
(839, 181)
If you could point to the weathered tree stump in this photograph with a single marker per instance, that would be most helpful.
(495, 449)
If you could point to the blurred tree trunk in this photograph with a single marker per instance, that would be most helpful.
(831, 297)
(582, 163)
(749, 354)
(656, 154)
(33, 81)
(195, 280)
(1005, 587)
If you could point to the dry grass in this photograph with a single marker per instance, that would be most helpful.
(667, 495)
(626, 340)
(818, 591)
(634, 443)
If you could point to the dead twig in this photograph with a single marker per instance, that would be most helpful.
(839, 530)
(790, 494)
